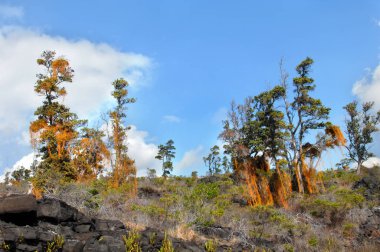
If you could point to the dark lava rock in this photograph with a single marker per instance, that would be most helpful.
(215, 231)
(55, 211)
(11, 207)
(111, 225)
(51, 220)
(17, 204)
(148, 192)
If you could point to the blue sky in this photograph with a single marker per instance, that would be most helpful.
(188, 60)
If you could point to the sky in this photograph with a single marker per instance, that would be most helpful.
(185, 62)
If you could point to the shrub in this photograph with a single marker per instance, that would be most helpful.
(349, 198)
(210, 246)
(167, 245)
(56, 244)
(313, 241)
(132, 242)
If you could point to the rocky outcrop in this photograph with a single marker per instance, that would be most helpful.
(30, 225)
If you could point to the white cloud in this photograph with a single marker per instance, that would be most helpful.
(371, 162)
(95, 66)
(25, 161)
(142, 152)
(172, 119)
(368, 88)
(192, 159)
(11, 12)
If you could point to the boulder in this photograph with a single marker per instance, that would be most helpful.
(18, 203)
(55, 211)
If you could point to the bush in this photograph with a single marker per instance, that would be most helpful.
(210, 246)
(132, 242)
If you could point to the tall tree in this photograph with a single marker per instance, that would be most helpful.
(124, 167)
(360, 127)
(55, 129)
(213, 160)
(166, 153)
(303, 114)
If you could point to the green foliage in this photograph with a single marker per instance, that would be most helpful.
(151, 173)
(349, 198)
(151, 210)
(313, 241)
(288, 247)
(21, 174)
(348, 229)
(166, 153)
(343, 177)
(319, 207)
(55, 129)
(213, 160)
(132, 242)
(210, 246)
(123, 166)
(5, 246)
(360, 127)
(167, 245)
(152, 238)
(56, 244)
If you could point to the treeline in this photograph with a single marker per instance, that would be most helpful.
(275, 128)
(267, 139)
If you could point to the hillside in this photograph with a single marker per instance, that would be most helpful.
(212, 213)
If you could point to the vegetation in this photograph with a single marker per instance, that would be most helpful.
(166, 153)
(263, 194)
(360, 127)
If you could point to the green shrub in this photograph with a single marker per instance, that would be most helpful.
(56, 244)
(167, 245)
(210, 246)
(288, 247)
(132, 242)
(348, 230)
(313, 241)
(349, 198)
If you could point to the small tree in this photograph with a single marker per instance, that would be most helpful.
(21, 174)
(166, 153)
(212, 160)
(360, 126)
(151, 173)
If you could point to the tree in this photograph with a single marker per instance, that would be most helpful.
(21, 174)
(89, 153)
(166, 153)
(151, 173)
(123, 166)
(303, 114)
(266, 126)
(226, 164)
(360, 127)
(213, 161)
(256, 128)
(55, 128)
